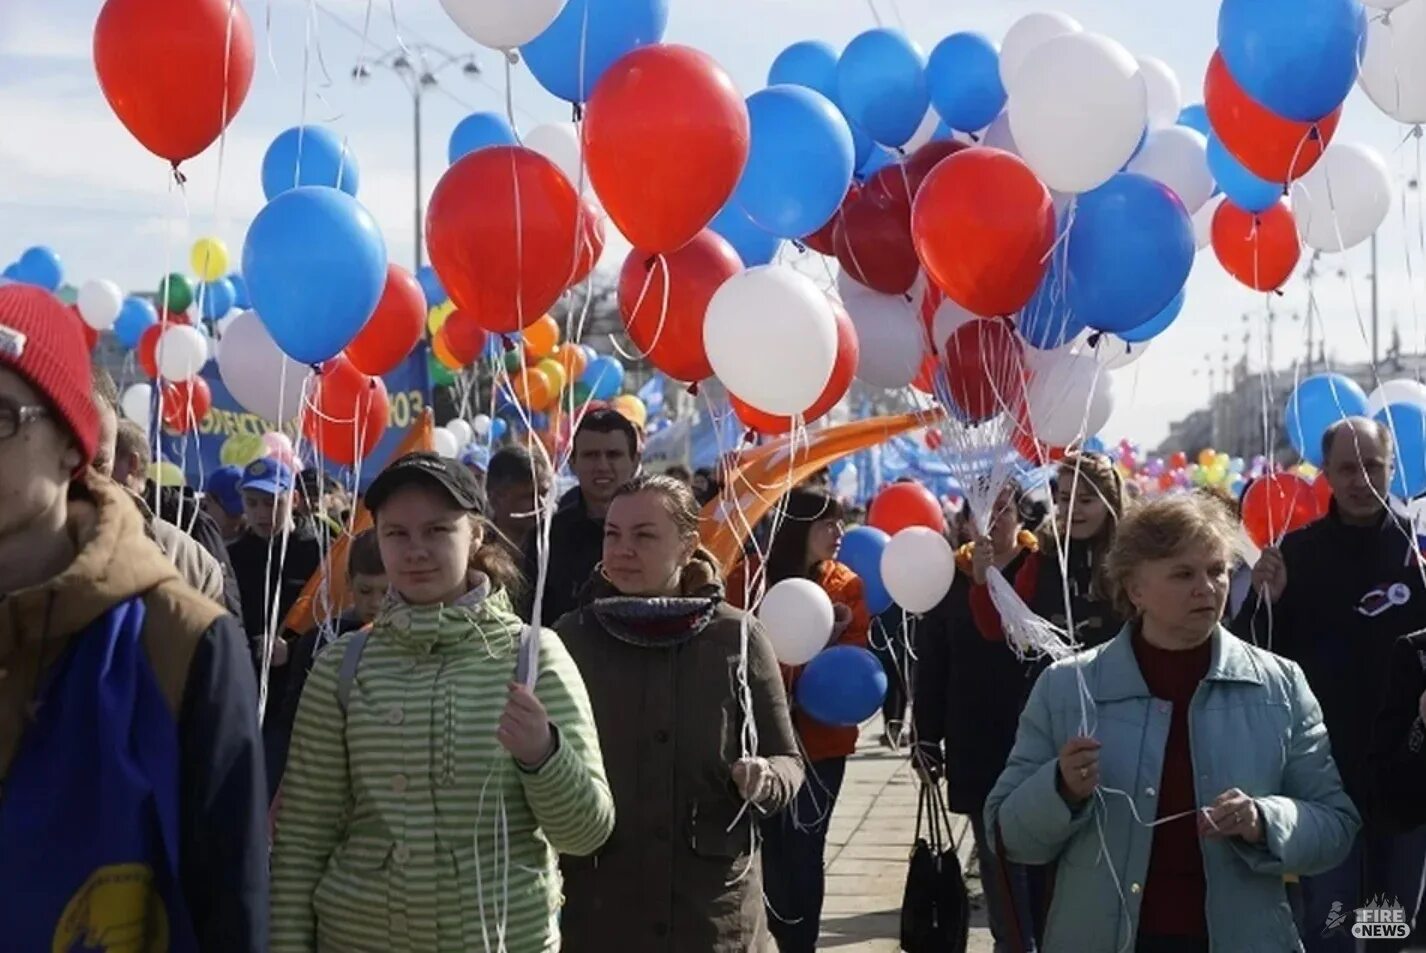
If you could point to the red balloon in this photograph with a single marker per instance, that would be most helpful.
(1276, 505)
(933, 440)
(1178, 460)
(501, 230)
(1166, 481)
(591, 239)
(147, 350)
(902, 180)
(1268, 145)
(1322, 494)
(464, 338)
(174, 73)
(666, 137)
(843, 370)
(983, 226)
(349, 412)
(665, 321)
(393, 328)
(872, 239)
(985, 369)
(821, 241)
(902, 505)
(184, 404)
(925, 380)
(1259, 250)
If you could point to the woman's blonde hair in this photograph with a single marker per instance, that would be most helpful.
(1162, 528)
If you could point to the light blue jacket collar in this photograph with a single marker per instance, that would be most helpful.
(1113, 673)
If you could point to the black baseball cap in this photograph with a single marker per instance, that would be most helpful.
(450, 475)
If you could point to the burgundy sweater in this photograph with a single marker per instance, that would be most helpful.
(1176, 892)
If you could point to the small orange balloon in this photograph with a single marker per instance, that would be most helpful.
(541, 337)
(442, 350)
(573, 359)
(532, 388)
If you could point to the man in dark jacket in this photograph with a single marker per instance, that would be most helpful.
(129, 755)
(1335, 598)
(606, 456)
(1398, 751)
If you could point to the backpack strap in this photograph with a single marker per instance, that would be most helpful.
(346, 675)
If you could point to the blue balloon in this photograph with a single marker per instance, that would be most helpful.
(1408, 427)
(1093, 445)
(1244, 189)
(136, 316)
(498, 428)
(754, 245)
(40, 266)
(843, 685)
(315, 263)
(1298, 59)
(308, 155)
(799, 163)
(431, 286)
(1131, 248)
(217, 297)
(1155, 326)
(1195, 116)
(1046, 321)
(943, 133)
(881, 85)
(963, 77)
(593, 33)
(1319, 402)
(477, 131)
(12, 271)
(861, 144)
(878, 159)
(241, 298)
(861, 553)
(604, 376)
(809, 63)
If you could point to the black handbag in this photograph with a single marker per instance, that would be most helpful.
(935, 909)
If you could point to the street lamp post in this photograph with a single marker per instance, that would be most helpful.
(417, 65)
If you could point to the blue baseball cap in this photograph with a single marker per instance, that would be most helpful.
(268, 475)
(222, 485)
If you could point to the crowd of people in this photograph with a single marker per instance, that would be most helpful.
(529, 733)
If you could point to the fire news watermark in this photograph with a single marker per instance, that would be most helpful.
(1381, 919)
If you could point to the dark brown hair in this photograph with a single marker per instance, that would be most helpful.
(364, 555)
(787, 557)
(496, 561)
(608, 421)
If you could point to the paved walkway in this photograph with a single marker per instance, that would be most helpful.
(868, 847)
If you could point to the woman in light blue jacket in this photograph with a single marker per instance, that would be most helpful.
(1177, 773)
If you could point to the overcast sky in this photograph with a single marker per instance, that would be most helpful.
(72, 178)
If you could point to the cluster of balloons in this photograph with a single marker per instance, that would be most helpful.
(1400, 405)
(37, 265)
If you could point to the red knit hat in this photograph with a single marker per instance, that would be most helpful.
(40, 341)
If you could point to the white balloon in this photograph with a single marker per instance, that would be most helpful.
(462, 431)
(918, 567)
(1113, 352)
(948, 317)
(136, 403)
(1403, 391)
(1393, 66)
(798, 617)
(444, 442)
(260, 377)
(503, 24)
(891, 339)
(99, 303)
(1177, 156)
(559, 142)
(999, 136)
(1070, 397)
(180, 353)
(1162, 92)
(1203, 221)
(925, 132)
(1343, 199)
(755, 322)
(480, 423)
(1027, 33)
(1078, 111)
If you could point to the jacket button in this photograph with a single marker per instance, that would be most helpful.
(399, 783)
(402, 854)
(1135, 888)
(395, 716)
(1151, 792)
(661, 736)
(661, 833)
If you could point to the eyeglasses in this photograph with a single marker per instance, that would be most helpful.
(13, 416)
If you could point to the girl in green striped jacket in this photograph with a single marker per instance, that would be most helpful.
(428, 791)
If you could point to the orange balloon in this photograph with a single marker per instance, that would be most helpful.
(572, 359)
(554, 370)
(532, 388)
(441, 348)
(541, 337)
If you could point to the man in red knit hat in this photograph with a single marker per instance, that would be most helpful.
(132, 795)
